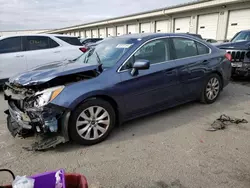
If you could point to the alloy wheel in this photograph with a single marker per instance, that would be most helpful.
(93, 123)
(213, 88)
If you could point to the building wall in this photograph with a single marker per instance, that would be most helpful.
(7, 33)
(217, 9)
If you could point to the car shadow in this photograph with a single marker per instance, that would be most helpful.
(167, 119)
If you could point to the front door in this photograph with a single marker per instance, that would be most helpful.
(153, 88)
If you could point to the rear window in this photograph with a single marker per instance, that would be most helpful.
(71, 40)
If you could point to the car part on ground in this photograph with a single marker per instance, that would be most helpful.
(239, 48)
(119, 79)
(223, 121)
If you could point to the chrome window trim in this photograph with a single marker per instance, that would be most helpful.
(165, 37)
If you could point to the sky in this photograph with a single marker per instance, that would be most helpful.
(52, 14)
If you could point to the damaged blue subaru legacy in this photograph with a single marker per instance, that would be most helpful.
(120, 79)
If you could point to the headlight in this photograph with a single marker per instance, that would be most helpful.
(47, 95)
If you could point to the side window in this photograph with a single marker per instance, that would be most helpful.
(53, 43)
(184, 48)
(37, 43)
(156, 51)
(12, 44)
(202, 49)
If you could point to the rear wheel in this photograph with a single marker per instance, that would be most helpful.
(211, 89)
(92, 122)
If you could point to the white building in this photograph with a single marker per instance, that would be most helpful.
(8, 33)
(217, 19)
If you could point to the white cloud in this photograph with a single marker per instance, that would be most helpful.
(47, 14)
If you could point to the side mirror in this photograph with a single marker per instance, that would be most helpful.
(140, 65)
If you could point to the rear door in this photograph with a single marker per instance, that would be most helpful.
(192, 59)
(42, 50)
(153, 88)
(12, 57)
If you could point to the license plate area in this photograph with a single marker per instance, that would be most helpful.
(237, 64)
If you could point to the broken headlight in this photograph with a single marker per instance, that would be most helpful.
(47, 95)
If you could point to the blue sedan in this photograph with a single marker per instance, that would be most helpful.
(120, 79)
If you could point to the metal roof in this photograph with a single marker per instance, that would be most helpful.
(164, 10)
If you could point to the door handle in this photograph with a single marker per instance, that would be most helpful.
(19, 55)
(56, 51)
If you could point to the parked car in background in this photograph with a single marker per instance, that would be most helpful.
(86, 41)
(22, 52)
(239, 48)
(119, 79)
(211, 40)
(195, 35)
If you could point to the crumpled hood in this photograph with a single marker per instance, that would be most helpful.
(243, 45)
(50, 71)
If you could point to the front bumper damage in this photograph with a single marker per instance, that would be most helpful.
(49, 124)
(240, 69)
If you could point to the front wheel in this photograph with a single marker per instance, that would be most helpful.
(211, 89)
(91, 122)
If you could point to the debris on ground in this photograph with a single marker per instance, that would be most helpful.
(223, 121)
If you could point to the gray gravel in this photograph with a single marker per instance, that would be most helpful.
(170, 149)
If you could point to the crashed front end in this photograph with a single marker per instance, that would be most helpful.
(31, 113)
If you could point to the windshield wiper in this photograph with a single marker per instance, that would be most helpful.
(98, 58)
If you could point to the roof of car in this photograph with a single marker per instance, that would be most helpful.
(154, 35)
(37, 34)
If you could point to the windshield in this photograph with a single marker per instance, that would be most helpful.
(107, 53)
(242, 36)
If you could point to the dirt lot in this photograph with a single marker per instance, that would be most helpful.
(170, 149)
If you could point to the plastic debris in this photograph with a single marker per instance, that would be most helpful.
(23, 182)
(223, 121)
(58, 180)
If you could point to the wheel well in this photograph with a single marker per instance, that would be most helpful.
(220, 75)
(111, 101)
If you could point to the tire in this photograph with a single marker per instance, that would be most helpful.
(204, 95)
(82, 134)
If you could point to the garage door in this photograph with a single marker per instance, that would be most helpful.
(207, 25)
(94, 33)
(82, 34)
(238, 20)
(182, 25)
(110, 31)
(162, 26)
(119, 30)
(88, 34)
(102, 33)
(131, 29)
(145, 27)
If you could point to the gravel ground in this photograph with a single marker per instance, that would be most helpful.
(170, 149)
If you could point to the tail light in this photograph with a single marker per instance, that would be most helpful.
(228, 56)
(84, 49)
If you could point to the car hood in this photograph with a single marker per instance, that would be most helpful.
(45, 73)
(243, 45)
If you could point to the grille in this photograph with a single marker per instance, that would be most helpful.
(237, 56)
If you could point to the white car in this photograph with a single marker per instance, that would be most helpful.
(20, 53)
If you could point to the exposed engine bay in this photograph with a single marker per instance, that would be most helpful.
(30, 112)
